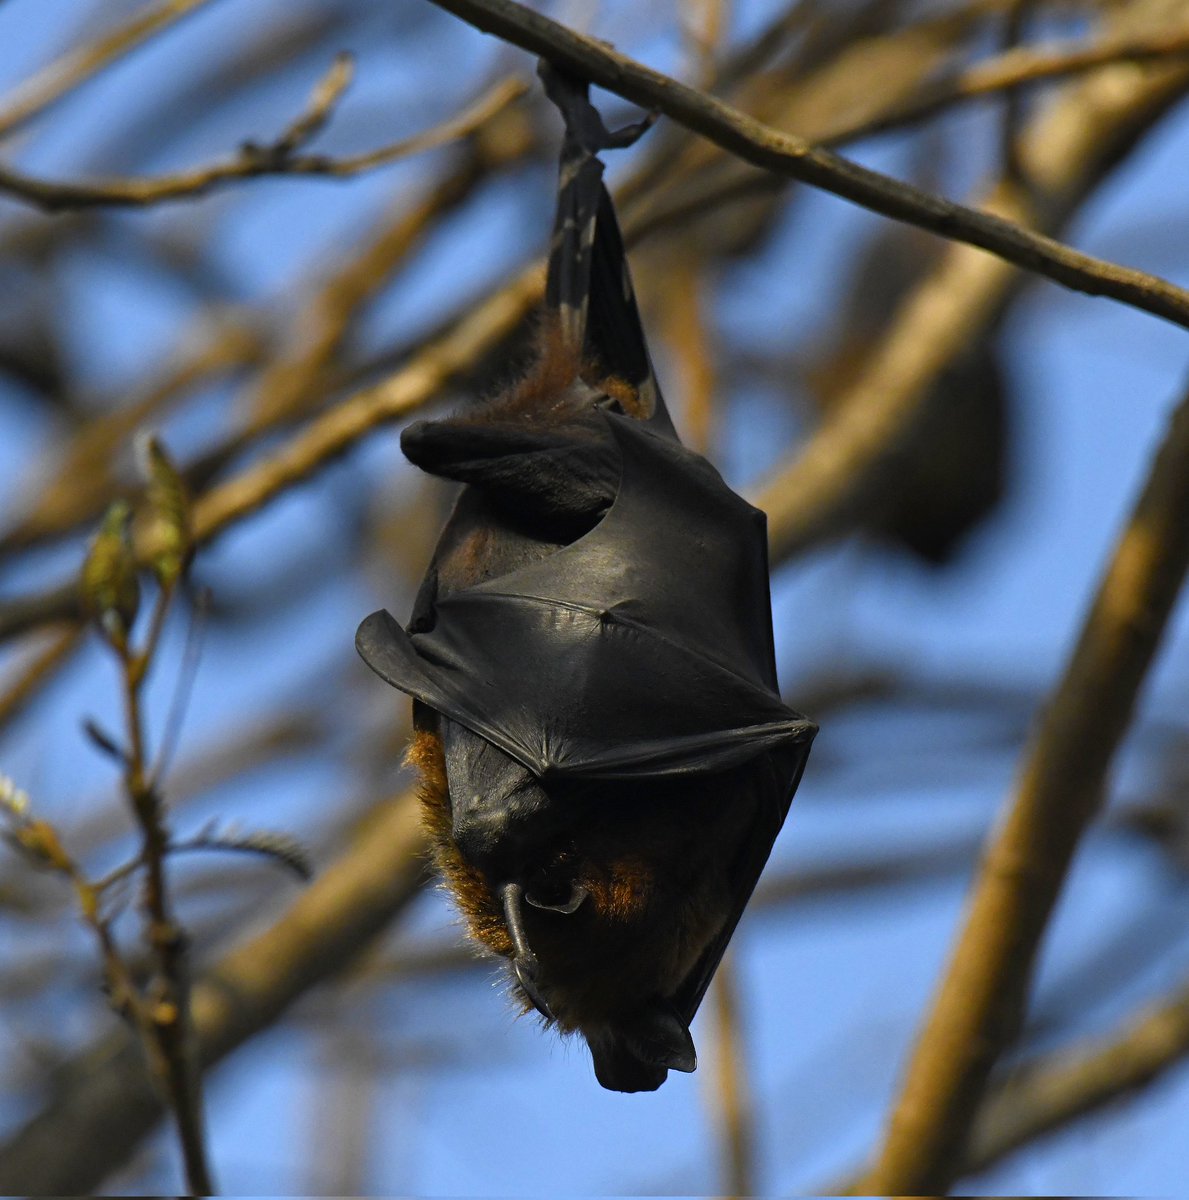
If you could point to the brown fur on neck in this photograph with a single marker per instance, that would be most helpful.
(541, 393)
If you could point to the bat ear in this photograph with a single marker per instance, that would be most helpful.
(660, 1037)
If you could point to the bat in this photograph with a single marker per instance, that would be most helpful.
(604, 753)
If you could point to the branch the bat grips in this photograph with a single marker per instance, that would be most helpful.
(605, 757)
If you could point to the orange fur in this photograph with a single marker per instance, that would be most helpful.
(474, 898)
(541, 393)
(626, 397)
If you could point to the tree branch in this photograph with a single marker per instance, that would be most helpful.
(1017, 68)
(1053, 1090)
(980, 1003)
(49, 85)
(1043, 1095)
(324, 438)
(785, 154)
(832, 480)
(279, 157)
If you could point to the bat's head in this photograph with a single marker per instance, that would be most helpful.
(604, 898)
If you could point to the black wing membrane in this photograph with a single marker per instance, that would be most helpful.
(641, 650)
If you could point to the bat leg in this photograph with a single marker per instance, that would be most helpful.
(559, 473)
(589, 285)
(580, 190)
(637, 1054)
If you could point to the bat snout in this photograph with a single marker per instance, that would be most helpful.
(637, 1053)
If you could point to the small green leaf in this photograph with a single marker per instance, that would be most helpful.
(169, 532)
(111, 591)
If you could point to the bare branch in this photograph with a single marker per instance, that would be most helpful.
(324, 438)
(1017, 68)
(38, 671)
(335, 431)
(1053, 1090)
(252, 161)
(1049, 1092)
(83, 476)
(1066, 152)
(731, 1096)
(290, 385)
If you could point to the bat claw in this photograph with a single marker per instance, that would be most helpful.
(629, 135)
(527, 970)
(584, 124)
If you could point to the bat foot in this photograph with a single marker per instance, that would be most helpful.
(584, 125)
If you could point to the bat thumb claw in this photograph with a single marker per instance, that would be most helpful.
(528, 975)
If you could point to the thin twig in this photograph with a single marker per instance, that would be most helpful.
(169, 1005)
(980, 1002)
(1013, 101)
(253, 161)
(109, 1106)
(1015, 69)
(289, 387)
(829, 483)
(687, 328)
(732, 1098)
(785, 154)
(326, 437)
(335, 431)
(38, 671)
(1047, 1093)
(82, 476)
(703, 25)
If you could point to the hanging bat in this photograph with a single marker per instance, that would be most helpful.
(604, 753)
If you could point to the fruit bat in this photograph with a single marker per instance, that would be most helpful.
(604, 753)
